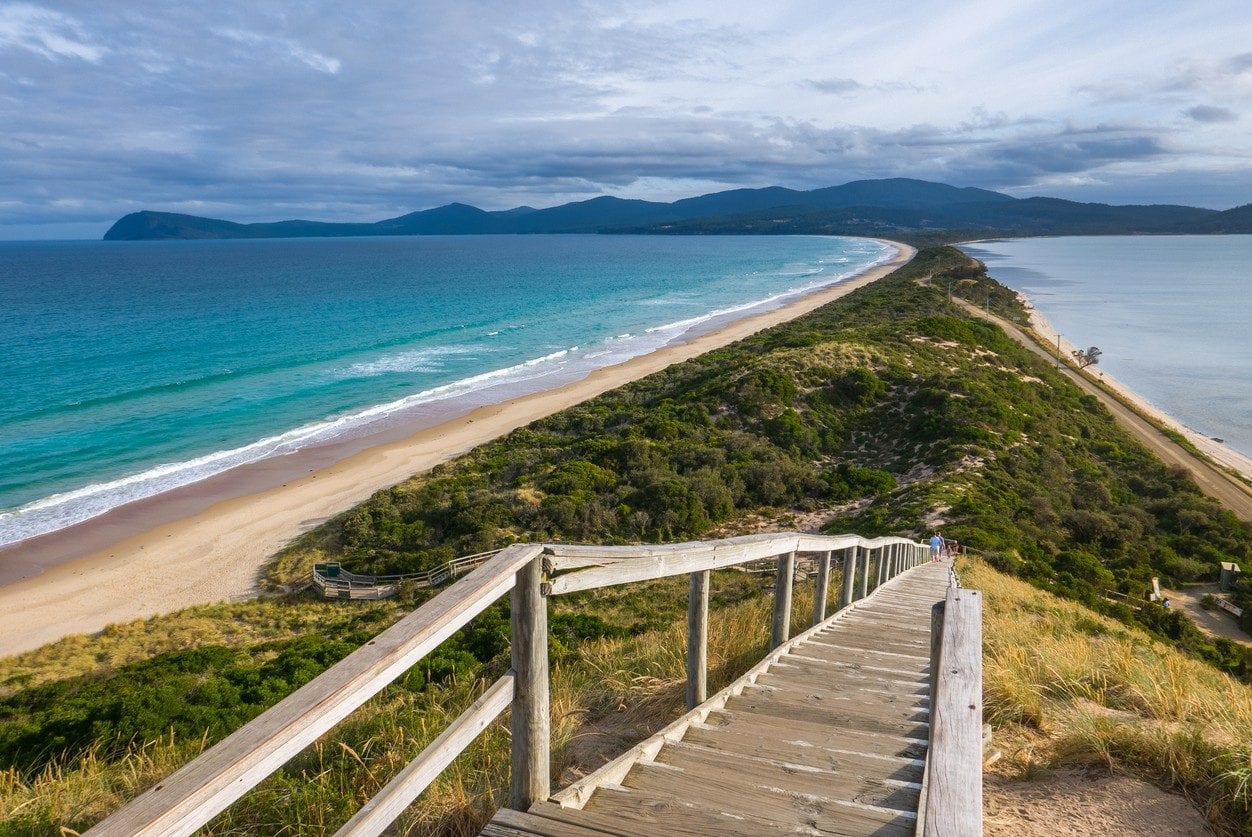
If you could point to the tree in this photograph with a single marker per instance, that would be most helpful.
(1088, 358)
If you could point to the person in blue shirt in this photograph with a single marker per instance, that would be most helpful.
(936, 546)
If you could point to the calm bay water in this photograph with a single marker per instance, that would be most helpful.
(130, 368)
(1172, 315)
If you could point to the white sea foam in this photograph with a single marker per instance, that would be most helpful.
(770, 302)
(412, 360)
(58, 511)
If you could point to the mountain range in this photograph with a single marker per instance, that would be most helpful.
(896, 206)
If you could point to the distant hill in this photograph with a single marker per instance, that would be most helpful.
(896, 206)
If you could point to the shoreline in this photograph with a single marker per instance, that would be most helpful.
(1221, 454)
(209, 540)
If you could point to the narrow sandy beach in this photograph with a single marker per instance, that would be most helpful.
(215, 554)
(1221, 454)
(1129, 410)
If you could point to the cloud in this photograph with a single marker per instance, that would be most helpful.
(261, 111)
(47, 33)
(284, 48)
(1238, 63)
(1211, 114)
(836, 85)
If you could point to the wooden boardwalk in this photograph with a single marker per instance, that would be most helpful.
(829, 738)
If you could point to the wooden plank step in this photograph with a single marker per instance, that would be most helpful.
(848, 679)
(822, 686)
(912, 592)
(622, 812)
(872, 653)
(845, 752)
(809, 758)
(824, 655)
(866, 788)
(888, 605)
(862, 693)
(778, 802)
(659, 815)
(508, 823)
(869, 621)
(859, 637)
(637, 814)
(836, 718)
(820, 702)
(877, 742)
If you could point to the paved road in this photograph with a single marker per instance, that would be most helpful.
(1212, 480)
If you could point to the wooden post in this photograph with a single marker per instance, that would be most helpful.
(698, 639)
(782, 599)
(936, 646)
(849, 577)
(880, 574)
(954, 760)
(822, 589)
(529, 721)
(867, 555)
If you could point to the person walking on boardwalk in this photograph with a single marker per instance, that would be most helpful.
(936, 546)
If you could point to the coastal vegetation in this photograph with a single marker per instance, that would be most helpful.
(886, 412)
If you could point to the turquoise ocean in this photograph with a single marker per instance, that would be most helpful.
(133, 368)
(1171, 314)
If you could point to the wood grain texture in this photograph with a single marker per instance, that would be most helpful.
(784, 578)
(821, 587)
(846, 595)
(530, 720)
(954, 772)
(190, 797)
(824, 736)
(380, 812)
(698, 639)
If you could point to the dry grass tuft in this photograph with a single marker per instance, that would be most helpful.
(1065, 686)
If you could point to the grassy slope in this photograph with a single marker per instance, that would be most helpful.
(1066, 686)
(887, 405)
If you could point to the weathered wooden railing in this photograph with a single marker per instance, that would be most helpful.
(952, 784)
(334, 582)
(196, 793)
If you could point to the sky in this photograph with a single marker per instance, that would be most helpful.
(261, 111)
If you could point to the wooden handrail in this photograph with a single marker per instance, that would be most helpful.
(200, 790)
(205, 787)
(381, 811)
(953, 780)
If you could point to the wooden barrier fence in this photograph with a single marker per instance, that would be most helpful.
(189, 798)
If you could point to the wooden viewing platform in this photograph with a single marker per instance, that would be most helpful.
(845, 729)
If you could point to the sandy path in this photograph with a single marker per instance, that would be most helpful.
(1212, 480)
(1076, 802)
(1214, 622)
(216, 554)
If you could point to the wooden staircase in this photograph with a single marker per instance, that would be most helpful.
(830, 736)
(832, 732)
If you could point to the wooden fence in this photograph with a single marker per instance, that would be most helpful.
(193, 795)
(952, 784)
(334, 582)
